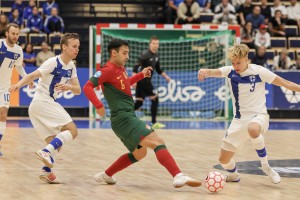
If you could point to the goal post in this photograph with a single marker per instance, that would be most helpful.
(184, 49)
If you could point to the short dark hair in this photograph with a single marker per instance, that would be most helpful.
(153, 37)
(8, 26)
(64, 39)
(115, 44)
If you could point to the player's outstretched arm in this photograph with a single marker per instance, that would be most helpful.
(165, 75)
(205, 73)
(279, 81)
(146, 72)
(89, 92)
(26, 80)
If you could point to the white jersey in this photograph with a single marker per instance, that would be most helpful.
(9, 57)
(247, 89)
(53, 71)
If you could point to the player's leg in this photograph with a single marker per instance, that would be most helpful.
(154, 107)
(227, 162)
(139, 96)
(121, 163)
(153, 141)
(256, 128)
(4, 105)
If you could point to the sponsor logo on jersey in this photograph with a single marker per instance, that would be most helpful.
(252, 78)
(16, 56)
(69, 73)
(285, 168)
(97, 74)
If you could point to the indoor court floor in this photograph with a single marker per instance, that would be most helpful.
(195, 146)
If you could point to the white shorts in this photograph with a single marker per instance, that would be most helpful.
(237, 133)
(4, 97)
(48, 117)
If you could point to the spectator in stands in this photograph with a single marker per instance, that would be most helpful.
(34, 23)
(44, 54)
(16, 18)
(282, 61)
(54, 23)
(278, 6)
(265, 10)
(188, 12)
(29, 55)
(47, 7)
(3, 23)
(262, 37)
(260, 57)
(237, 3)
(256, 18)
(296, 65)
(19, 4)
(244, 10)
(171, 10)
(205, 6)
(28, 10)
(277, 24)
(214, 4)
(293, 13)
(225, 12)
(248, 35)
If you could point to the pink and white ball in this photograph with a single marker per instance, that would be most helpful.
(215, 182)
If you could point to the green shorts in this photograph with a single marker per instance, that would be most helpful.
(130, 129)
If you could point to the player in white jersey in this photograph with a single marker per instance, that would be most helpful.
(11, 55)
(49, 118)
(251, 120)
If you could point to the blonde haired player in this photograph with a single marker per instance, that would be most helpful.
(251, 120)
(11, 55)
(48, 117)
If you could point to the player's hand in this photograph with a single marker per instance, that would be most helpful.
(133, 86)
(63, 87)
(31, 85)
(13, 88)
(101, 111)
(202, 74)
(147, 71)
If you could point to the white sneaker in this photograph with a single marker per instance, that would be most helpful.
(50, 177)
(44, 157)
(232, 177)
(274, 176)
(182, 180)
(103, 177)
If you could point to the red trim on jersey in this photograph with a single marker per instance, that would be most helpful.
(89, 92)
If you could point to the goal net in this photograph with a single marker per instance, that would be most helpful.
(183, 51)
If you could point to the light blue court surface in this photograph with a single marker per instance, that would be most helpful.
(207, 125)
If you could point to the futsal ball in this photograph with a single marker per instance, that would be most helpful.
(215, 182)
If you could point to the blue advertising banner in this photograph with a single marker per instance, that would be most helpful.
(67, 99)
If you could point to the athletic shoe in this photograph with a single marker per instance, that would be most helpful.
(274, 176)
(45, 157)
(50, 177)
(232, 177)
(103, 177)
(182, 180)
(158, 125)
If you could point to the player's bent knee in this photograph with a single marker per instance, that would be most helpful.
(138, 104)
(254, 130)
(140, 153)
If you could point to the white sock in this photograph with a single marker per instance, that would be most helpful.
(230, 167)
(60, 139)
(259, 146)
(2, 129)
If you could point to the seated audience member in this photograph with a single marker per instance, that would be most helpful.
(277, 24)
(205, 6)
(34, 23)
(260, 57)
(237, 3)
(293, 13)
(244, 10)
(54, 23)
(19, 4)
(296, 65)
(224, 12)
(29, 55)
(44, 54)
(278, 6)
(188, 12)
(171, 10)
(16, 18)
(262, 37)
(256, 18)
(265, 10)
(3, 23)
(247, 35)
(282, 61)
(47, 7)
(28, 10)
